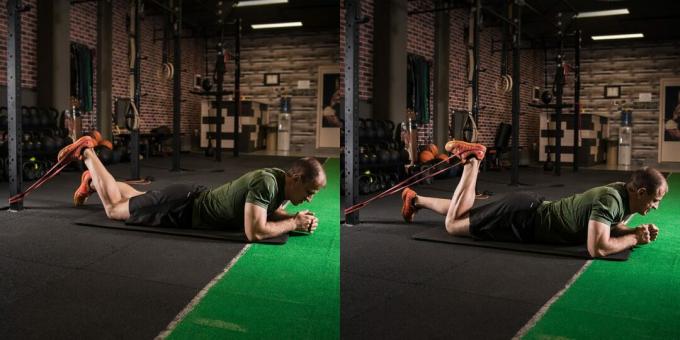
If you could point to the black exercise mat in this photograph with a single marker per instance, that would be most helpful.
(100, 220)
(440, 235)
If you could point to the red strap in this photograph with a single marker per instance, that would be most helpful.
(401, 185)
(51, 173)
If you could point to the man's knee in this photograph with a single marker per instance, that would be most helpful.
(458, 227)
(117, 211)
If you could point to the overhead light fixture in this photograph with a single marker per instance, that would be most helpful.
(277, 25)
(618, 36)
(609, 12)
(259, 3)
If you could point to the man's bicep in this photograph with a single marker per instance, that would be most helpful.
(598, 235)
(255, 217)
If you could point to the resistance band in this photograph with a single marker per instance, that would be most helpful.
(51, 173)
(403, 184)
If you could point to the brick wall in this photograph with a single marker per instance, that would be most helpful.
(156, 106)
(365, 49)
(83, 30)
(29, 42)
(495, 108)
(420, 41)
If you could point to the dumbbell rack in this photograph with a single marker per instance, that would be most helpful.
(41, 141)
(381, 161)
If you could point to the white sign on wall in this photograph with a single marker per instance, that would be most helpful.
(645, 97)
(303, 84)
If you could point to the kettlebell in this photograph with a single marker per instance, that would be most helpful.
(546, 97)
(206, 84)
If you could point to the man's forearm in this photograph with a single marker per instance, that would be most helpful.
(280, 214)
(622, 230)
(276, 228)
(616, 244)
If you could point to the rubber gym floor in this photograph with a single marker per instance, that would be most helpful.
(61, 280)
(396, 287)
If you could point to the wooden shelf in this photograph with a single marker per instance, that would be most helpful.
(551, 106)
(211, 93)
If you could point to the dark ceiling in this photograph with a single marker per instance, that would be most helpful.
(201, 16)
(658, 20)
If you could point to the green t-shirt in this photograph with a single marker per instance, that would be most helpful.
(566, 220)
(222, 208)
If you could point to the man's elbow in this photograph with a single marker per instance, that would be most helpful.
(597, 251)
(253, 237)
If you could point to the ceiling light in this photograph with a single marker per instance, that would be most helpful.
(617, 36)
(259, 3)
(602, 13)
(277, 25)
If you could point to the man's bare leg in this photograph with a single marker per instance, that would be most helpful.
(457, 217)
(442, 205)
(438, 205)
(108, 190)
(126, 190)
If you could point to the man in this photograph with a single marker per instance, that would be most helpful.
(595, 218)
(252, 203)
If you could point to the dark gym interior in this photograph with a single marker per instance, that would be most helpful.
(193, 92)
(561, 105)
(552, 97)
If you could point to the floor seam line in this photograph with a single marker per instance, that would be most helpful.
(544, 309)
(199, 297)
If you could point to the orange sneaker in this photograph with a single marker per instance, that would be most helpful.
(97, 136)
(408, 208)
(84, 191)
(75, 149)
(464, 150)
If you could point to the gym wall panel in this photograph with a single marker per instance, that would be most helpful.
(294, 56)
(636, 66)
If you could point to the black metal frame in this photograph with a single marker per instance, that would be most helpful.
(237, 83)
(351, 115)
(577, 97)
(558, 92)
(14, 130)
(475, 56)
(517, 39)
(134, 133)
(177, 87)
(218, 76)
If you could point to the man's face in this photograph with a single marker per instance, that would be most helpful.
(304, 192)
(648, 201)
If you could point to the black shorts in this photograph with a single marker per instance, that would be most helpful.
(171, 206)
(510, 218)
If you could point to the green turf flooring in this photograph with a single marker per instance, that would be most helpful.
(279, 292)
(635, 299)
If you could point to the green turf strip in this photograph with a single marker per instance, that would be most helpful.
(279, 292)
(635, 299)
